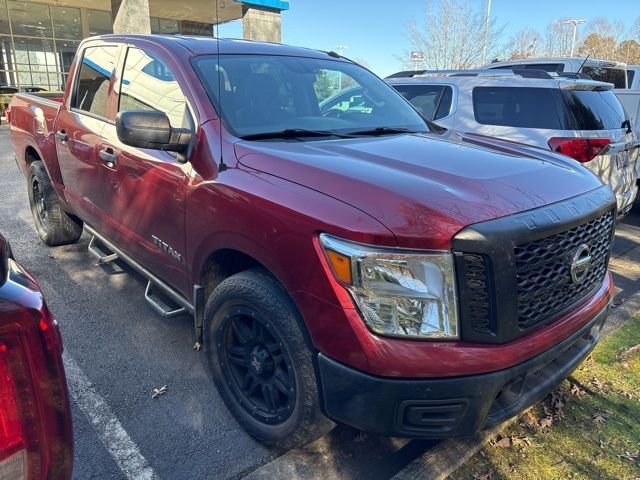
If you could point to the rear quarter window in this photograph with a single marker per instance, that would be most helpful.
(523, 107)
(433, 101)
(592, 110)
(617, 76)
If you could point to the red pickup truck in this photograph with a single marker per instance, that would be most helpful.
(35, 419)
(358, 264)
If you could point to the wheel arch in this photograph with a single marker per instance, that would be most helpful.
(224, 262)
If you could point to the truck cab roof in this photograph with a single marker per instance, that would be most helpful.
(197, 45)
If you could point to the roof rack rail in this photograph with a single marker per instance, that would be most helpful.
(529, 73)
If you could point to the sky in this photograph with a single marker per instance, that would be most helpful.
(374, 31)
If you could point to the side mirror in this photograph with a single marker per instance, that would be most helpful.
(5, 255)
(151, 129)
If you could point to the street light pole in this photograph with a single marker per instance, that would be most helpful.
(575, 24)
(486, 32)
(341, 49)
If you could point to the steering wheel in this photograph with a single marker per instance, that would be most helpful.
(333, 113)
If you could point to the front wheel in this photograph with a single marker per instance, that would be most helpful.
(53, 224)
(260, 361)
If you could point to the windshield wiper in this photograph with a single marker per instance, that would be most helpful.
(293, 133)
(383, 131)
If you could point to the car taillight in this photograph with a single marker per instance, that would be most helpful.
(7, 114)
(17, 437)
(580, 149)
(35, 423)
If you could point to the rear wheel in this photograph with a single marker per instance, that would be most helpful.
(260, 361)
(53, 224)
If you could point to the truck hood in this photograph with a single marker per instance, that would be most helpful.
(424, 188)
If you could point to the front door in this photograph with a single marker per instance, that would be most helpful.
(78, 129)
(144, 188)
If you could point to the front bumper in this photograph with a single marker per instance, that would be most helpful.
(454, 406)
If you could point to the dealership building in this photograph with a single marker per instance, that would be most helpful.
(38, 39)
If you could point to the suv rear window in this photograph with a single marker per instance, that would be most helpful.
(433, 101)
(593, 110)
(617, 76)
(547, 108)
(523, 107)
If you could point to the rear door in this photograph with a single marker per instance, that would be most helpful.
(78, 128)
(145, 189)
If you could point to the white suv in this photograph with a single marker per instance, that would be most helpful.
(577, 117)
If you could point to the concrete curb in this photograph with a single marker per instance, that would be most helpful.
(444, 459)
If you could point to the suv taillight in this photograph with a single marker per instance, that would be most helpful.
(35, 423)
(15, 398)
(580, 149)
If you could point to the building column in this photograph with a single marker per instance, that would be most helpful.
(130, 16)
(261, 24)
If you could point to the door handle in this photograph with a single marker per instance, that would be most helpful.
(62, 136)
(109, 158)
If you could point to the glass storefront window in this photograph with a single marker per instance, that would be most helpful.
(99, 22)
(34, 54)
(30, 19)
(6, 54)
(66, 22)
(4, 18)
(164, 26)
(66, 50)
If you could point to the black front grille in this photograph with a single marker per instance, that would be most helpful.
(543, 267)
(514, 273)
(478, 301)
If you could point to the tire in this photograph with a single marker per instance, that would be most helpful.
(252, 336)
(53, 224)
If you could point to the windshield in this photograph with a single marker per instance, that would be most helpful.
(263, 94)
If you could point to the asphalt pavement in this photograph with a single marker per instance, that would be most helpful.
(118, 350)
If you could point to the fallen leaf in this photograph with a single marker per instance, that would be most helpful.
(504, 442)
(576, 390)
(597, 383)
(361, 437)
(197, 346)
(159, 391)
(483, 476)
(546, 422)
(599, 419)
(618, 301)
(629, 456)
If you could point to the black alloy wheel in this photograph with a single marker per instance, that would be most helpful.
(257, 367)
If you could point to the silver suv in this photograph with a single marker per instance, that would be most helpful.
(575, 116)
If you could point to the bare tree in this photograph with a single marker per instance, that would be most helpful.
(628, 51)
(453, 35)
(604, 28)
(557, 38)
(635, 30)
(526, 43)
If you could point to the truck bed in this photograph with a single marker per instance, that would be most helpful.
(32, 131)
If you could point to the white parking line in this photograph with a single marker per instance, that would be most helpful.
(114, 437)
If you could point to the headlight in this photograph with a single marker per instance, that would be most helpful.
(399, 292)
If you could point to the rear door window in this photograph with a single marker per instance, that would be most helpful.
(433, 101)
(592, 110)
(630, 76)
(617, 76)
(92, 82)
(523, 107)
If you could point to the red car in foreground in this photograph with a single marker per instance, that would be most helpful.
(35, 419)
(348, 261)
